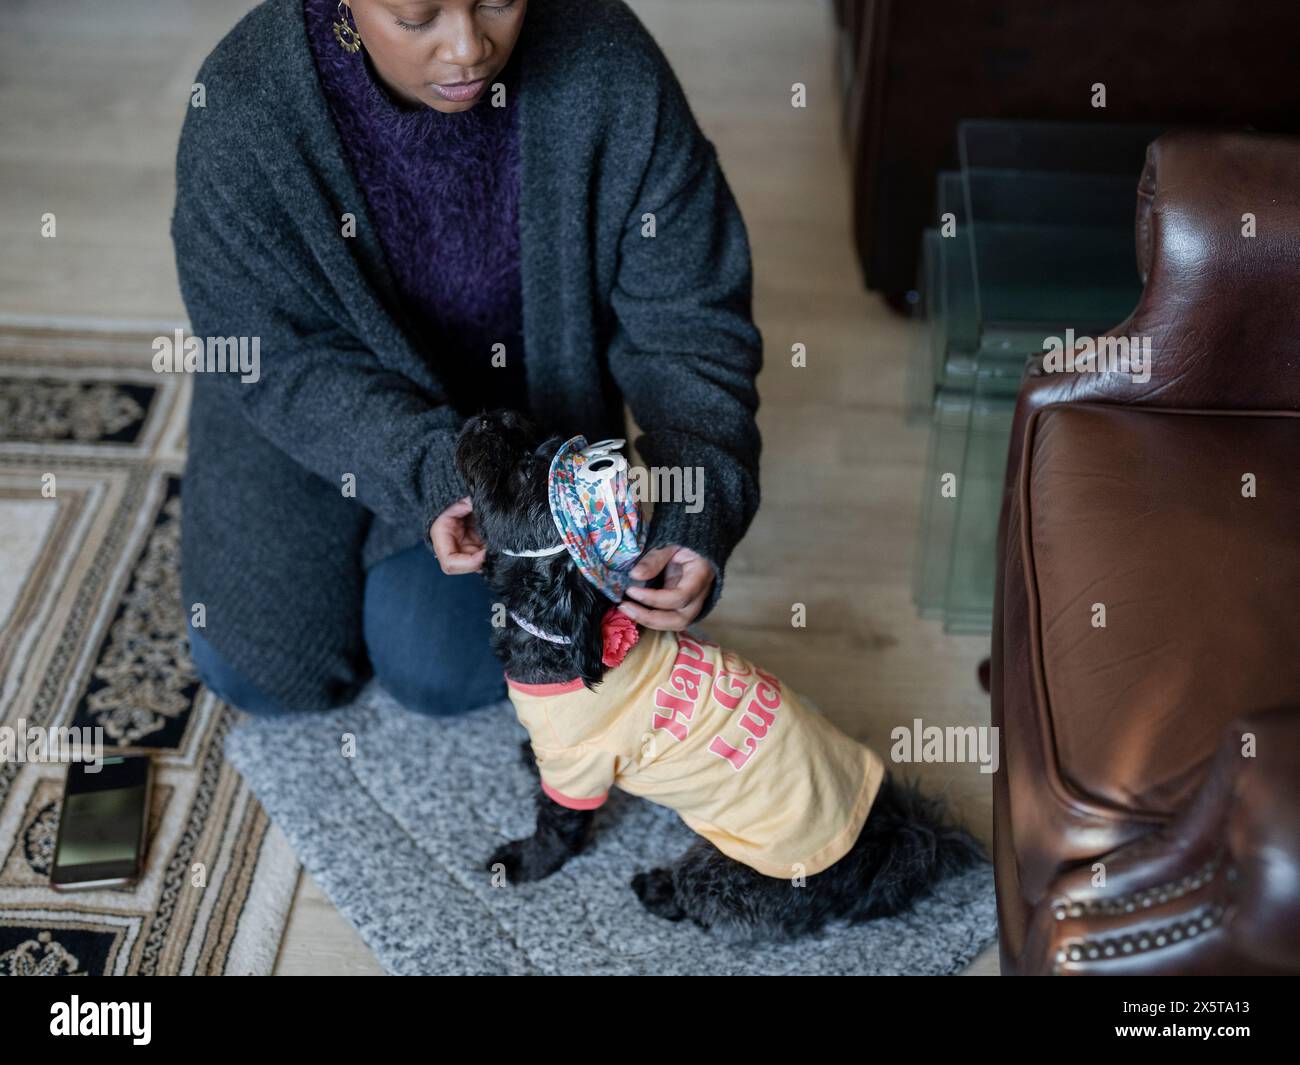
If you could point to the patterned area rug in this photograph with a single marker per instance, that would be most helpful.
(92, 633)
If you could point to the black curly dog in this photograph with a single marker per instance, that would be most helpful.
(906, 845)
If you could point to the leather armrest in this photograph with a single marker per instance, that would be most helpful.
(1212, 892)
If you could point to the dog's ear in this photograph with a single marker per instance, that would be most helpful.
(578, 610)
(589, 641)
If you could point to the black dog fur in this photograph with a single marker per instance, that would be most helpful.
(906, 845)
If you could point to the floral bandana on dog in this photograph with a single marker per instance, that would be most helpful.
(598, 520)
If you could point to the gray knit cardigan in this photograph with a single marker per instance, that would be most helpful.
(272, 545)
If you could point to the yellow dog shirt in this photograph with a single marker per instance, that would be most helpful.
(742, 759)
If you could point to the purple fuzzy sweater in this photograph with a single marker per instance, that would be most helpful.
(443, 193)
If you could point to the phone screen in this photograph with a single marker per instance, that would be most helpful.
(101, 828)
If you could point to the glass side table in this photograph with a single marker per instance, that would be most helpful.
(1040, 240)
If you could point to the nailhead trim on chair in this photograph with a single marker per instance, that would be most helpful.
(1139, 942)
(1140, 900)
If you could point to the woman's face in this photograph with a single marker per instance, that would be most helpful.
(427, 50)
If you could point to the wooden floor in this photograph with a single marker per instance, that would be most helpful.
(92, 108)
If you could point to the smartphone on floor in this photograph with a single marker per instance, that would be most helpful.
(102, 828)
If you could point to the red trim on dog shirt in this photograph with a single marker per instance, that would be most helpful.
(574, 804)
(557, 688)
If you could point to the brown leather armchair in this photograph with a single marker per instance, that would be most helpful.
(1146, 644)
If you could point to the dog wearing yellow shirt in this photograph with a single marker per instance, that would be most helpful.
(798, 823)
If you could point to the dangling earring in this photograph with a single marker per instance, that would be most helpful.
(347, 36)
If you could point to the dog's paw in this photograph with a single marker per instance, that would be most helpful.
(523, 860)
(656, 892)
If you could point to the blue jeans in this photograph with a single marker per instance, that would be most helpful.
(426, 633)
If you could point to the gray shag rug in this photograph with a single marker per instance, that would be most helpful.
(398, 833)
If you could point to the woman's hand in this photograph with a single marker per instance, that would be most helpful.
(687, 579)
(455, 540)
